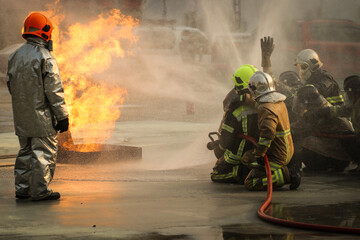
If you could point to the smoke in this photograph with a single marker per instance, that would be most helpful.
(163, 87)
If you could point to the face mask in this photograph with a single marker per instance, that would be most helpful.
(304, 73)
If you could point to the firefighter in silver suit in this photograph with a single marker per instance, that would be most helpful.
(39, 109)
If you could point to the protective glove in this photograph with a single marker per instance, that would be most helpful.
(267, 47)
(260, 160)
(221, 166)
(62, 125)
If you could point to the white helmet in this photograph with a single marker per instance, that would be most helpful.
(307, 61)
(260, 84)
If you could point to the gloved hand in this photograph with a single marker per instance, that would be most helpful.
(62, 125)
(260, 160)
(267, 47)
(221, 166)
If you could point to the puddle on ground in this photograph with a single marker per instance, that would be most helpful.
(342, 215)
(266, 232)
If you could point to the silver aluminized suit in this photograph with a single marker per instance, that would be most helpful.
(37, 93)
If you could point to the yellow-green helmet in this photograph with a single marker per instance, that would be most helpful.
(242, 75)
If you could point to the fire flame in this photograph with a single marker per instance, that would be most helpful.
(81, 51)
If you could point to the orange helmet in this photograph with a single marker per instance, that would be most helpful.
(38, 25)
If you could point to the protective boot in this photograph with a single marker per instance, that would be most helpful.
(295, 176)
(22, 196)
(52, 196)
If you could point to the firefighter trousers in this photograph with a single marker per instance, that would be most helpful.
(224, 172)
(257, 180)
(35, 166)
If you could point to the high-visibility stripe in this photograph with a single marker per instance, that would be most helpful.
(244, 121)
(335, 99)
(246, 113)
(227, 128)
(231, 158)
(243, 111)
(277, 178)
(280, 177)
(264, 141)
(245, 131)
(227, 175)
(293, 92)
(274, 166)
(283, 133)
(255, 164)
(255, 181)
(287, 150)
(222, 148)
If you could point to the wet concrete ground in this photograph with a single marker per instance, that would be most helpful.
(126, 201)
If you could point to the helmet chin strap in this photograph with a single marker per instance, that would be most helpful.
(49, 45)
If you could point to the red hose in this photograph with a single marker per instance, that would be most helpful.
(279, 221)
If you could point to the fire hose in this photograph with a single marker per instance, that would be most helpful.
(261, 211)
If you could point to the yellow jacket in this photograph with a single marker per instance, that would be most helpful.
(275, 138)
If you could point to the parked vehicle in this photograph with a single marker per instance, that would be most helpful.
(171, 40)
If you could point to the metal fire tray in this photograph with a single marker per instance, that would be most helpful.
(107, 153)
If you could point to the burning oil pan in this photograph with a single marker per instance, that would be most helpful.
(105, 154)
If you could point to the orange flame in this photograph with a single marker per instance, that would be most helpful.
(85, 49)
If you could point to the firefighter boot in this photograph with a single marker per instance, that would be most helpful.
(295, 176)
(52, 196)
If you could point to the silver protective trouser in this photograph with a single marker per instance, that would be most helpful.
(35, 166)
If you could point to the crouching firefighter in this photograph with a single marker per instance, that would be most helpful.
(239, 117)
(275, 138)
(313, 146)
(311, 72)
(350, 109)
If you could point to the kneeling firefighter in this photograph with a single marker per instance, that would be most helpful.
(310, 133)
(239, 118)
(350, 109)
(275, 139)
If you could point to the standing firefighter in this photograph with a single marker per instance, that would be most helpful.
(275, 138)
(311, 72)
(239, 118)
(39, 109)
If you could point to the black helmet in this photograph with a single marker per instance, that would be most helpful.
(309, 96)
(352, 84)
(290, 78)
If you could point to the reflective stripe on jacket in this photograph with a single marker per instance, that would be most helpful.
(327, 86)
(275, 138)
(241, 120)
